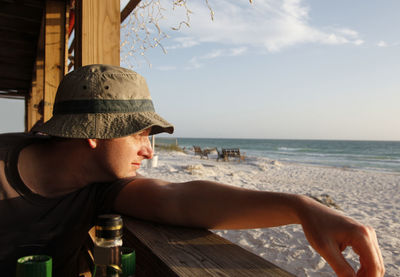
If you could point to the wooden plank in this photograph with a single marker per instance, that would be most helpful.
(19, 26)
(54, 53)
(66, 37)
(175, 251)
(34, 100)
(27, 3)
(12, 95)
(16, 84)
(128, 9)
(25, 65)
(22, 12)
(18, 37)
(13, 70)
(25, 46)
(97, 31)
(17, 54)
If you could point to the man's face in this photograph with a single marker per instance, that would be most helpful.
(121, 157)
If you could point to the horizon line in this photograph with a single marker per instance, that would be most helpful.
(319, 139)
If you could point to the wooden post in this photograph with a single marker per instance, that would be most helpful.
(97, 32)
(97, 35)
(66, 37)
(54, 53)
(34, 101)
(49, 66)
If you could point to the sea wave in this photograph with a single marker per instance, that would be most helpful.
(379, 155)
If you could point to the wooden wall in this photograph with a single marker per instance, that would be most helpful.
(97, 39)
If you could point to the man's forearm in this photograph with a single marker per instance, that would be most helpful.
(207, 204)
(215, 206)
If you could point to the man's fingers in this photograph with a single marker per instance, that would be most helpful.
(338, 263)
(366, 246)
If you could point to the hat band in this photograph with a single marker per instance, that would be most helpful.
(103, 106)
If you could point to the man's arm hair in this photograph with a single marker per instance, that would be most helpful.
(205, 204)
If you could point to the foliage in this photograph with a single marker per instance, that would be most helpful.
(169, 147)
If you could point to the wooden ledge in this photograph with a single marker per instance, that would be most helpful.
(163, 250)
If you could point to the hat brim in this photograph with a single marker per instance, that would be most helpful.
(104, 125)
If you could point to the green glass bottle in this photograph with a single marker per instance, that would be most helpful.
(35, 266)
(128, 262)
(107, 246)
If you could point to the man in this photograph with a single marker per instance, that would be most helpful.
(53, 187)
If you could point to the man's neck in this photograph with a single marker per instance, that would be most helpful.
(55, 168)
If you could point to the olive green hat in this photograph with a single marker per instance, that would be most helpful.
(103, 101)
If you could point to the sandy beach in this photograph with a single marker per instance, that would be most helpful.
(372, 198)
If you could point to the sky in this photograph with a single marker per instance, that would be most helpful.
(288, 69)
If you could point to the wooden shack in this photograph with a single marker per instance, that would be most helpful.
(40, 41)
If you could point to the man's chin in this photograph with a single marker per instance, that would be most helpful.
(130, 174)
(126, 175)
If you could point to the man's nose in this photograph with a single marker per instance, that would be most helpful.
(146, 150)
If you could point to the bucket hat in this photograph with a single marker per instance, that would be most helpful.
(104, 102)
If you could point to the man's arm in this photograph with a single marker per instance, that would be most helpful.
(212, 205)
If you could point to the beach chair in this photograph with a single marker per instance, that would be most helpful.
(198, 151)
(225, 154)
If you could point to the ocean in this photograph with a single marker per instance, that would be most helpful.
(366, 155)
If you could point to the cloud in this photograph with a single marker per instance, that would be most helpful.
(166, 68)
(348, 36)
(194, 63)
(212, 55)
(238, 51)
(270, 24)
(198, 61)
(382, 44)
(182, 42)
(224, 53)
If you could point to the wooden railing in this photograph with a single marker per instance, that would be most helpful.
(176, 251)
(166, 251)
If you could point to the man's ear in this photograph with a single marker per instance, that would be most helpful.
(92, 143)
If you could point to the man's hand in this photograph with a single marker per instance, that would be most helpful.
(329, 232)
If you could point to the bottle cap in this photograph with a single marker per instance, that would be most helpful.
(34, 266)
(109, 226)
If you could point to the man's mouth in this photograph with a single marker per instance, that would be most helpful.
(136, 164)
